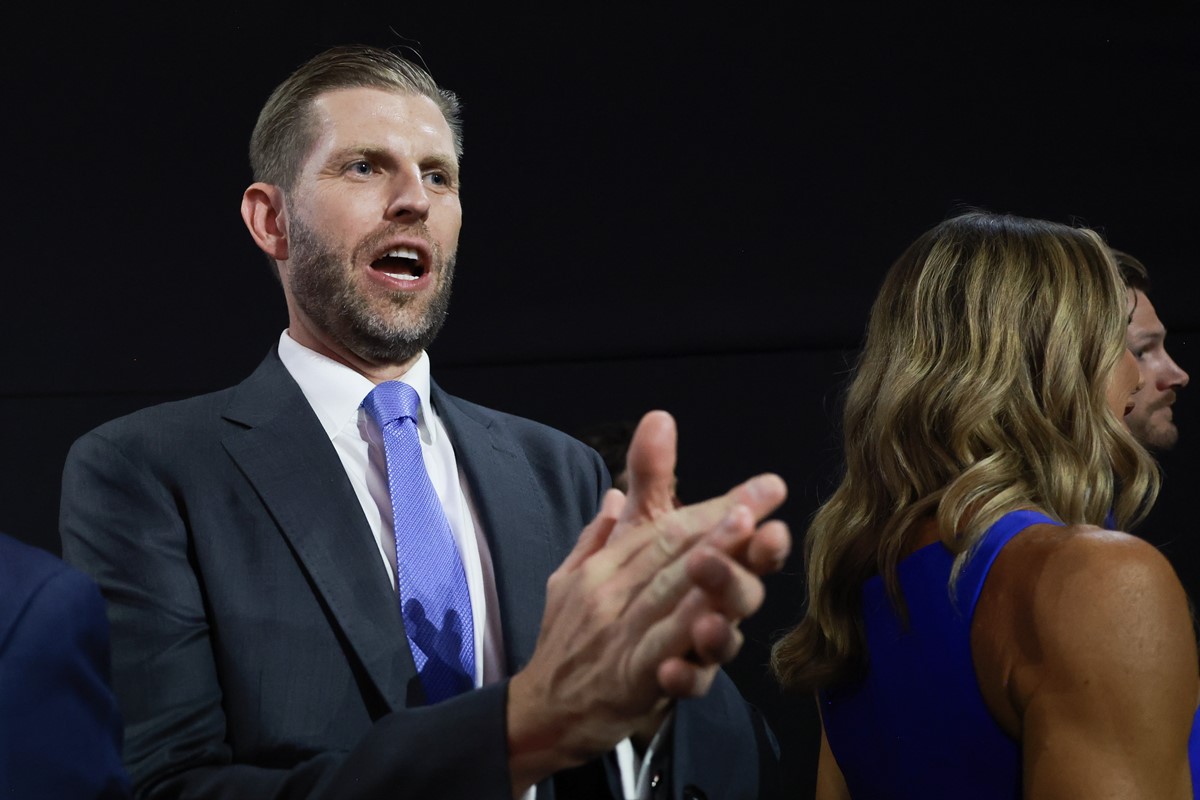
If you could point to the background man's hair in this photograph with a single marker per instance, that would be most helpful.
(1133, 271)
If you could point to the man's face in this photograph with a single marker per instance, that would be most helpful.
(1151, 420)
(372, 227)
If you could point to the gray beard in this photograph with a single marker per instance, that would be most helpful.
(322, 287)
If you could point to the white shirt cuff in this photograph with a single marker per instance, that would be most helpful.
(637, 771)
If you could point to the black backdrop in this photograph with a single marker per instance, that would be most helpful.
(678, 209)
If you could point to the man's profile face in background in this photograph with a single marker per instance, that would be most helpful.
(1152, 419)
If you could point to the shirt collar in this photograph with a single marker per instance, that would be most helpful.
(336, 391)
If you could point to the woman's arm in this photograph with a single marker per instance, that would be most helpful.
(831, 785)
(1084, 642)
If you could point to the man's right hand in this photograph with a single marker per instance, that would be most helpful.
(643, 610)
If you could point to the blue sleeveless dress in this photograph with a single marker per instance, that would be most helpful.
(917, 726)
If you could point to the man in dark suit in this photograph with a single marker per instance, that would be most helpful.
(60, 732)
(245, 539)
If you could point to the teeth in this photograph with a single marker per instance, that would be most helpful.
(402, 252)
(401, 276)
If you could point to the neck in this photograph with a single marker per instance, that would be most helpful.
(924, 532)
(375, 371)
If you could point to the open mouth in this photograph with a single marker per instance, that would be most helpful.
(401, 263)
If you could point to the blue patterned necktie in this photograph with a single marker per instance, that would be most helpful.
(434, 599)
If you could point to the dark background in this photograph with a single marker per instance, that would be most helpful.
(680, 209)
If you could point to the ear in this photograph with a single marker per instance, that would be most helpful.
(266, 218)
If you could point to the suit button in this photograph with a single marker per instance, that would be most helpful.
(691, 792)
(656, 779)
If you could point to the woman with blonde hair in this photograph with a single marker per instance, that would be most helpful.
(975, 628)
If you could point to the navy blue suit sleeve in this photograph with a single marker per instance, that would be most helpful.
(61, 730)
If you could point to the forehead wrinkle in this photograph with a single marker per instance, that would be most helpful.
(377, 108)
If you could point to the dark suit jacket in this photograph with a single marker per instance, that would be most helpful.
(259, 649)
(60, 733)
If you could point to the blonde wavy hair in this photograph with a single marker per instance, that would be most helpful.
(980, 389)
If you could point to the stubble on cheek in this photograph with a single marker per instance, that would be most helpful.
(342, 299)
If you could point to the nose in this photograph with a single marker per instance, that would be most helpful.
(408, 200)
(1177, 377)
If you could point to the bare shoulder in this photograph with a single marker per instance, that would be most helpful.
(1100, 590)
(1065, 602)
(1080, 573)
(1082, 637)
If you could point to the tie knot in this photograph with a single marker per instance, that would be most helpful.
(391, 401)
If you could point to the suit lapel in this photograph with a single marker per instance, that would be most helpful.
(286, 455)
(510, 506)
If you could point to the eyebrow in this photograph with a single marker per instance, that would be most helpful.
(444, 163)
(1149, 336)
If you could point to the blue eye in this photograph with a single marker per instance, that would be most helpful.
(360, 168)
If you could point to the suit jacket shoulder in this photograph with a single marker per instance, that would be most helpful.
(61, 731)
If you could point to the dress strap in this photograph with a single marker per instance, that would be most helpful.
(970, 580)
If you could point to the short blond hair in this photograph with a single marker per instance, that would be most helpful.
(286, 130)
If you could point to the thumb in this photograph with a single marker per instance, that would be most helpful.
(651, 465)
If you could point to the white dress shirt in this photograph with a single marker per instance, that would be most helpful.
(335, 393)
